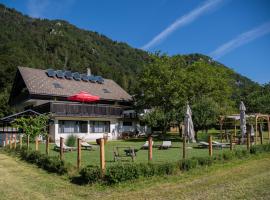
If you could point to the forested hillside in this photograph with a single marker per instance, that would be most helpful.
(42, 43)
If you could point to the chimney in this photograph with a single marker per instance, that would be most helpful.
(88, 71)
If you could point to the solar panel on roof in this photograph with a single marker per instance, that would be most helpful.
(59, 74)
(92, 78)
(84, 77)
(68, 74)
(50, 73)
(99, 79)
(76, 76)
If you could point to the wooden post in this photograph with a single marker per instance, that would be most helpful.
(231, 142)
(184, 147)
(61, 148)
(6, 142)
(150, 148)
(268, 123)
(15, 141)
(20, 141)
(210, 145)
(261, 136)
(10, 142)
(234, 127)
(28, 141)
(102, 157)
(78, 153)
(256, 129)
(47, 144)
(221, 131)
(36, 143)
(248, 140)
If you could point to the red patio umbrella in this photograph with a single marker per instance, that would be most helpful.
(83, 97)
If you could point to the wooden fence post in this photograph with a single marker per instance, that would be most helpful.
(102, 157)
(15, 141)
(256, 129)
(231, 142)
(184, 147)
(61, 148)
(150, 148)
(221, 132)
(6, 142)
(268, 123)
(20, 141)
(36, 143)
(261, 137)
(210, 145)
(10, 141)
(28, 141)
(248, 141)
(79, 155)
(47, 144)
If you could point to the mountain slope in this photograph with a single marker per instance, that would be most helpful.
(42, 43)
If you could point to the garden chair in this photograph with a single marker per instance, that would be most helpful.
(88, 146)
(165, 145)
(222, 145)
(65, 147)
(146, 145)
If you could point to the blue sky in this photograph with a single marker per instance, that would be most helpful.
(234, 32)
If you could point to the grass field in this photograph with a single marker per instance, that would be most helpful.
(171, 155)
(239, 179)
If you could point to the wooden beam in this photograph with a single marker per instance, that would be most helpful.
(268, 123)
(256, 129)
(47, 144)
(79, 155)
(210, 145)
(28, 141)
(21, 141)
(61, 148)
(102, 157)
(150, 148)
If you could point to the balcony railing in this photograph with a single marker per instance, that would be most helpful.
(77, 109)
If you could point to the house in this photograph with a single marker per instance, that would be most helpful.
(47, 91)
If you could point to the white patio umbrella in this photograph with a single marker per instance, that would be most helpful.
(243, 125)
(189, 128)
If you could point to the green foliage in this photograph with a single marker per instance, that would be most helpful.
(71, 141)
(260, 148)
(51, 164)
(187, 164)
(90, 174)
(33, 125)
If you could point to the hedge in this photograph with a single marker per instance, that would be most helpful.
(49, 163)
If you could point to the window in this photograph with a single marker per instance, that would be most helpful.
(57, 85)
(99, 126)
(66, 126)
(127, 123)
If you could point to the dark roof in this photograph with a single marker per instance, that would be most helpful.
(10, 118)
(37, 82)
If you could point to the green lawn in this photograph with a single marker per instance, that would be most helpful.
(238, 179)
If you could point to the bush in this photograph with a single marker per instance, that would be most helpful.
(165, 169)
(260, 148)
(228, 155)
(241, 153)
(121, 172)
(204, 161)
(71, 141)
(90, 174)
(187, 164)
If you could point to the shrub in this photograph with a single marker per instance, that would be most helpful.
(241, 153)
(90, 174)
(228, 155)
(147, 170)
(188, 164)
(260, 148)
(165, 169)
(121, 172)
(204, 161)
(71, 141)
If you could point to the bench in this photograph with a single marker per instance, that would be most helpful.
(128, 152)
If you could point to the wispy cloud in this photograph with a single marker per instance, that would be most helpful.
(42, 8)
(241, 39)
(182, 21)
